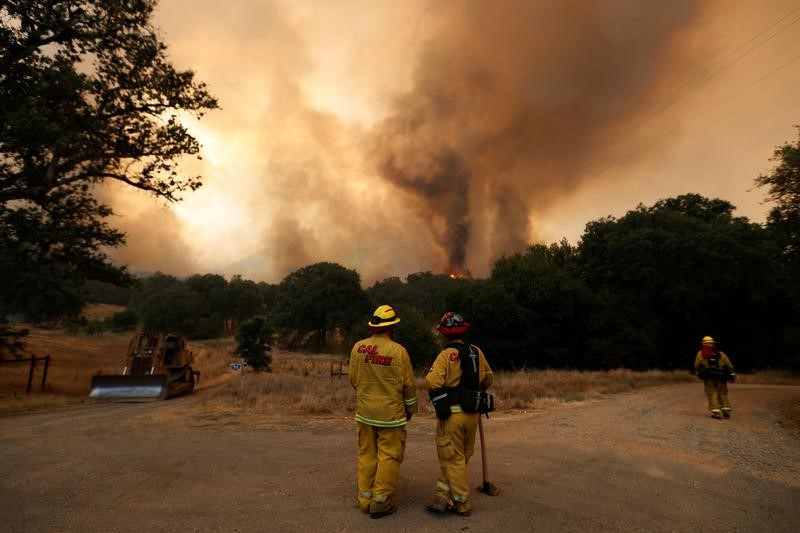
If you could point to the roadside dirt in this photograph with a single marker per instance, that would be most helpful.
(646, 461)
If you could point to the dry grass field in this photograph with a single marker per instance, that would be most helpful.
(299, 383)
(101, 311)
(76, 358)
(303, 385)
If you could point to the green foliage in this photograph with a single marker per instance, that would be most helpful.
(253, 342)
(151, 285)
(179, 310)
(390, 290)
(243, 299)
(49, 248)
(219, 306)
(783, 185)
(87, 95)
(551, 300)
(416, 335)
(268, 293)
(499, 324)
(107, 293)
(211, 287)
(319, 298)
(126, 320)
(638, 292)
(666, 275)
(422, 293)
(93, 327)
(12, 343)
(783, 224)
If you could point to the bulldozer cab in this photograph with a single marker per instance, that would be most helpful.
(156, 353)
(174, 348)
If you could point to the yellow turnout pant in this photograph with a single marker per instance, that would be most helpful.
(380, 452)
(717, 394)
(455, 443)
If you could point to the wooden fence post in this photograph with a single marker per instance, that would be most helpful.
(30, 375)
(44, 372)
(341, 371)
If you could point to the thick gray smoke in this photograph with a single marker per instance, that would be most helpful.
(512, 100)
(395, 137)
(443, 182)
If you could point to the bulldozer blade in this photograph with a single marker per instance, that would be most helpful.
(489, 488)
(128, 388)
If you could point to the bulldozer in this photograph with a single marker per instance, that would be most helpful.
(157, 367)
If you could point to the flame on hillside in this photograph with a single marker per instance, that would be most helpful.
(464, 274)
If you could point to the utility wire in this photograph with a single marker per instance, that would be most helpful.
(712, 107)
(729, 54)
(740, 91)
(699, 80)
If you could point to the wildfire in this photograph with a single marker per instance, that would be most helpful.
(465, 274)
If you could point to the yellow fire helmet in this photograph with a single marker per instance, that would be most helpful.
(708, 340)
(383, 316)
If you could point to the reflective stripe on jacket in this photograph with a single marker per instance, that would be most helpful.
(446, 372)
(380, 371)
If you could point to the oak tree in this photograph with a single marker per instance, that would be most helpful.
(87, 95)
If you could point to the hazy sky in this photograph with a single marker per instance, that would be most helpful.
(400, 136)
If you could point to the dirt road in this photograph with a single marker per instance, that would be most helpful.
(648, 461)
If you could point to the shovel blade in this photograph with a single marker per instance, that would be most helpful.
(489, 488)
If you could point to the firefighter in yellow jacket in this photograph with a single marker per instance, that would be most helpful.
(381, 373)
(716, 370)
(456, 382)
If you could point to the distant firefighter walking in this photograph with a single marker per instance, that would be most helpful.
(381, 373)
(716, 370)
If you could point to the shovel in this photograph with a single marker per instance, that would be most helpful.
(487, 487)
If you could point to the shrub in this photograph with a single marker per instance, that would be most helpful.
(252, 342)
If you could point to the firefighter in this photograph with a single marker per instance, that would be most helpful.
(381, 373)
(715, 369)
(456, 382)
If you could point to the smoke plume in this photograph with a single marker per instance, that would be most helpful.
(396, 137)
(510, 100)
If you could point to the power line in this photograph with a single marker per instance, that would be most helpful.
(698, 80)
(743, 89)
(712, 107)
(753, 38)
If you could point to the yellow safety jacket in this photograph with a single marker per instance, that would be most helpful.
(446, 372)
(380, 371)
(701, 362)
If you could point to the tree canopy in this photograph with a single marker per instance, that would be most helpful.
(668, 274)
(87, 95)
(637, 291)
(783, 185)
(783, 222)
(201, 306)
(253, 342)
(319, 298)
